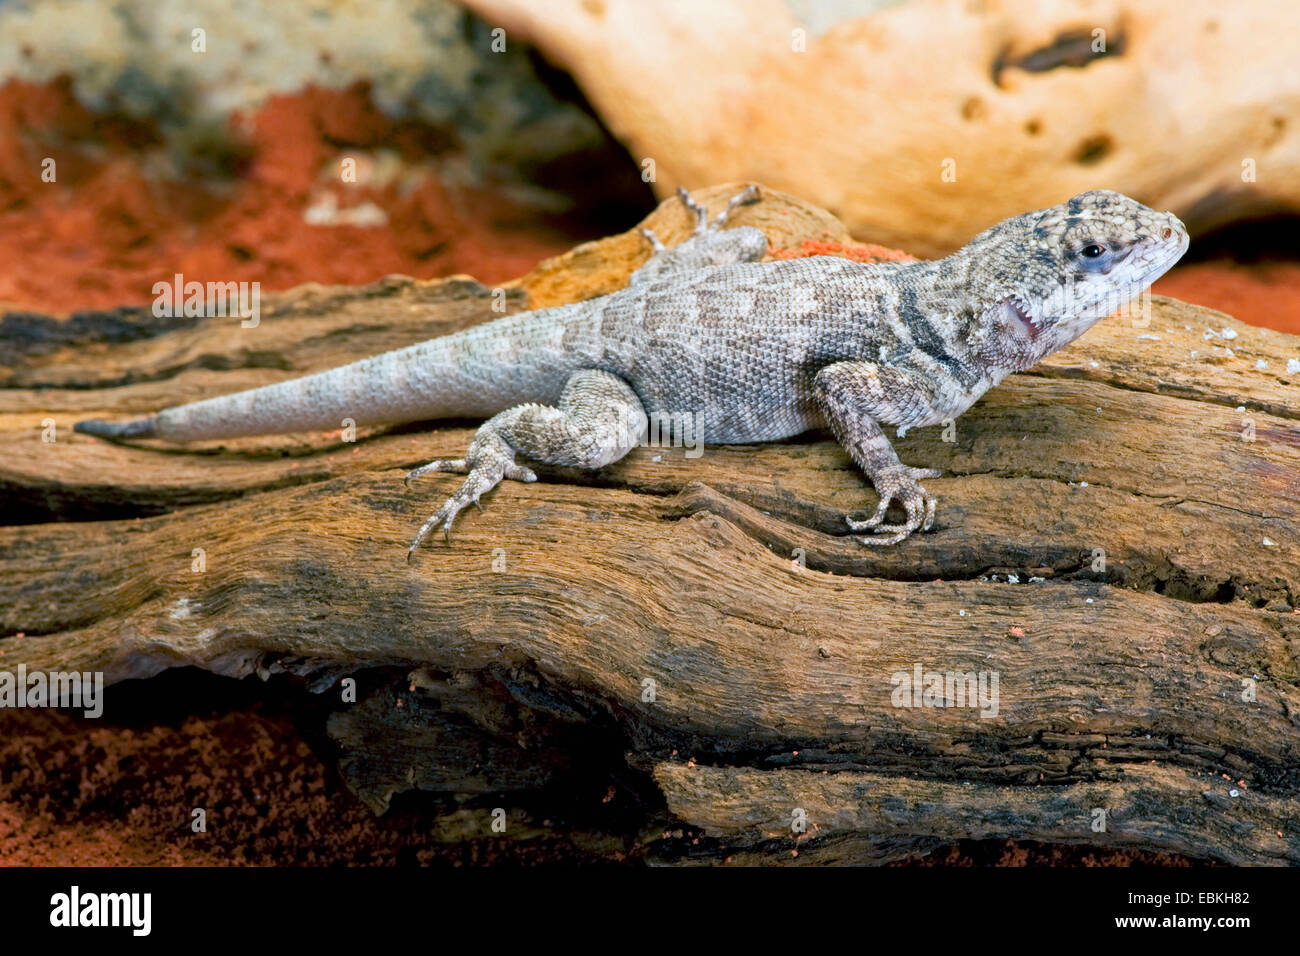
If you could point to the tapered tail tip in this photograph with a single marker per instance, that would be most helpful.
(139, 428)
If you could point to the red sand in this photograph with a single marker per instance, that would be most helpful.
(1267, 293)
(107, 230)
(860, 252)
(77, 792)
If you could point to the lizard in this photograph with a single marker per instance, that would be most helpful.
(741, 350)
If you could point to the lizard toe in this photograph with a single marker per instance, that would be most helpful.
(434, 520)
(455, 465)
(876, 518)
(701, 214)
(884, 534)
(930, 504)
(519, 472)
(745, 197)
(884, 530)
(897, 534)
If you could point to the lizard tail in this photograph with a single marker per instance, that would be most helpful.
(139, 428)
(470, 374)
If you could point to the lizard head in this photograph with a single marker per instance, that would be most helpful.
(1049, 276)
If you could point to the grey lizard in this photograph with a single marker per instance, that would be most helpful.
(735, 350)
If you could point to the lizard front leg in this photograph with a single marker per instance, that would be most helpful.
(855, 397)
(599, 419)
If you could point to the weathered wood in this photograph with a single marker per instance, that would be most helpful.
(712, 608)
(867, 817)
(393, 741)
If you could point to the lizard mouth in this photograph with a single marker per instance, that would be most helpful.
(1017, 310)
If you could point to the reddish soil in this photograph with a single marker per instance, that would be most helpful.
(860, 252)
(1262, 293)
(110, 227)
(78, 792)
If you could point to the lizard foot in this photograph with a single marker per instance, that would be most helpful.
(901, 483)
(488, 461)
(708, 245)
(745, 197)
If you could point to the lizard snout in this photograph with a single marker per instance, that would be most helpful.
(1174, 228)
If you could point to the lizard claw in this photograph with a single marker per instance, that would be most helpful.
(903, 484)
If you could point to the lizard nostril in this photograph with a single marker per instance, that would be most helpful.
(1168, 232)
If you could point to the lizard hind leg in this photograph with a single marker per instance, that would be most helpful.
(598, 420)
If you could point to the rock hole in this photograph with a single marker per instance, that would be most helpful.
(1276, 130)
(1071, 48)
(1093, 150)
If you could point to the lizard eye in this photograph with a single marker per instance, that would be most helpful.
(1093, 251)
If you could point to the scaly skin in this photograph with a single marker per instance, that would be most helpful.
(735, 350)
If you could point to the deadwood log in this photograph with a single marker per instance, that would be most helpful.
(1116, 541)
